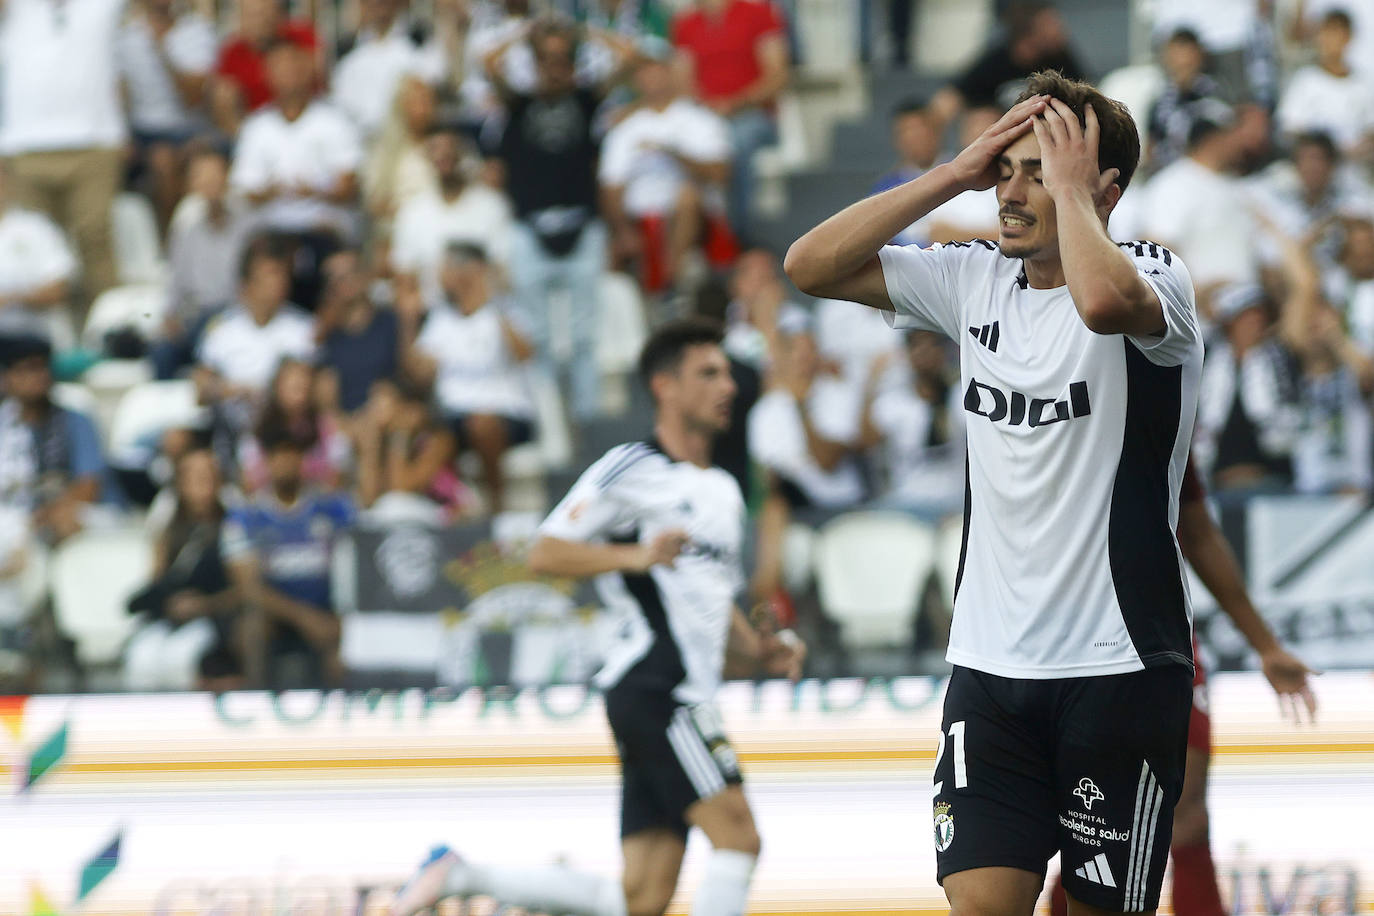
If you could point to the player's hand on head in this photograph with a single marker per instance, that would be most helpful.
(976, 166)
(1289, 677)
(664, 548)
(1068, 151)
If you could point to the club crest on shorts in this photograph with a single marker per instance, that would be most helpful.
(1089, 792)
(944, 827)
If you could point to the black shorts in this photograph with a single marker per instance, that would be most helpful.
(1088, 767)
(671, 756)
(519, 430)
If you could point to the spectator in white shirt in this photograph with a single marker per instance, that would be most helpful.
(62, 122)
(242, 345)
(166, 56)
(663, 172)
(1307, 17)
(1328, 95)
(297, 161)
(36, 269)
(1199, 208)
(919, 425)
(461, 209)
(388, 46)
(472, 350)
(204, 254)
(802, 433)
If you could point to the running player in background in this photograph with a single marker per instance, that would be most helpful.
(1066, 716)
(1203, 545)
(660, 528)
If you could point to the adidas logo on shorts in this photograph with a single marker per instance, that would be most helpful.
(1097, 871)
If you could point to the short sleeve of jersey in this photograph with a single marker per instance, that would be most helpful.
(923, 285)
(600, 503)
(617, 155)
(1164, 271)
(251, 172)
(236, 537)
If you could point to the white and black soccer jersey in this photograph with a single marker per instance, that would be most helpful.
(672, 623)
(1076, 446)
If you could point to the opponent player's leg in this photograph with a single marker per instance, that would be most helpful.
(653, 861)
(993, 807)
(1195, 877)
(728, 823)
(550, 888)
(1120, 769)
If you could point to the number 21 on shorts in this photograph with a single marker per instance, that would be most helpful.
(956, 735)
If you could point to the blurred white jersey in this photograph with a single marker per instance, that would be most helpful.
(1076, 446)
(672, 622)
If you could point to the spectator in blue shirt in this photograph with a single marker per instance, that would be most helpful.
(278, 548)
(359, 343)
(916, 138)
(50, 458)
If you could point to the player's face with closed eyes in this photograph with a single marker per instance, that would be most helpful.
(704, 390)
(1026, 216)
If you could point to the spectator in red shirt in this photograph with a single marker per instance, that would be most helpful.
(736, 54)
(240, 85)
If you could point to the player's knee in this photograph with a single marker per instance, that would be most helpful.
(647, 895)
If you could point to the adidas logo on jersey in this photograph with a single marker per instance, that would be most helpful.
(1097, 871)
(1017, 408)
(987, 335)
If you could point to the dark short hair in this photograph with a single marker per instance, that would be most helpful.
(665, 347)
(1210, 116)
(1340, 17)
(265, 246)
(911, 105)
(275, 432)
(1185, 36)
(555, 26)
(15, 350)
(283, 40)
(1322, 140)
(462, 252)
(1119, 142)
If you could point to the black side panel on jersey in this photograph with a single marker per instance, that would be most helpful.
(1146, 569)
(963, 542)
(661, 667)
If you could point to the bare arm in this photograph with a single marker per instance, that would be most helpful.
(578, 560)
(1205, 547)
(491, 63)
(519, 344)
(626, 58)
(774, 60)
(320, 628)
(45, 296)
(1110, 295)
(413, 475)
(839, 258)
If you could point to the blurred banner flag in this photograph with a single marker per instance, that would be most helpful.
(48, 755)
(39, 904)
(99, 868)
(12, 715)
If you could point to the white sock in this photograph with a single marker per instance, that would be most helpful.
(724, 889)
(551, 889)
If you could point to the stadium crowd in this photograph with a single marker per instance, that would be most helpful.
(371, 248)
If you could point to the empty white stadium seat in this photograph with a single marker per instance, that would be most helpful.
(1136, 87)
(148, 410)
(138, 252)
(622, 326)
(139, 306)
(870, 571)
(77, 397)
(399, 508)
(93, 575)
